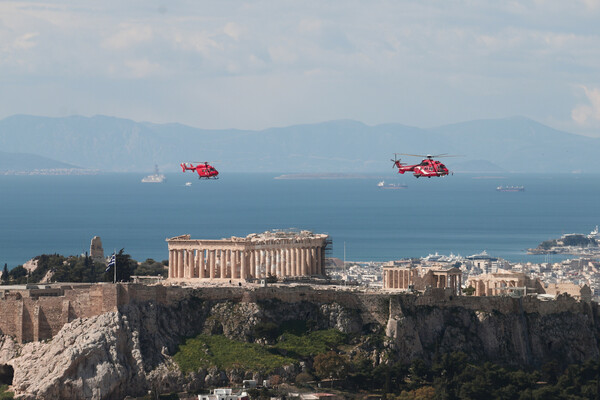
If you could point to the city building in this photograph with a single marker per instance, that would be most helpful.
(484, 262)
(224, 394)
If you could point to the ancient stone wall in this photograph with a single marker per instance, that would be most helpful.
(37, 314)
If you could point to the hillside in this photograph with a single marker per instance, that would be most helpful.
(113, 144)
(173, 339)
(29, 162)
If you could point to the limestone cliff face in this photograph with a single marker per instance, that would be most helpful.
(87, 360)
(128, 352)
(503, 330)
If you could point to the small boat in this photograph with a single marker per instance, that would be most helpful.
(188, 184)
(510, 188)
(383, 185)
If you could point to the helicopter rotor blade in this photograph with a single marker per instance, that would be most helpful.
(443, 155)
(412, 155)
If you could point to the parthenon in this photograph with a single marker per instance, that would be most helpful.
(278, 253)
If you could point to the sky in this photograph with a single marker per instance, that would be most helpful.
(258, 64)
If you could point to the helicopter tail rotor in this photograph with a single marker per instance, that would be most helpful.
(397, 161)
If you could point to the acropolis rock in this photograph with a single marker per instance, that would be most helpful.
(122, 343)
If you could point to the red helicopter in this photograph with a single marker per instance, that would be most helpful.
(204, 170)
(428, 167)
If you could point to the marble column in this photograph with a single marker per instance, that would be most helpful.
(188, 264)
(252, 260)
(171, 263)
(235, 274)
(270, 262)
(284, 262)
(256, 261)
(180, 263)
(295, 261)
(243, 271)
(201, 271)
(301, 261)
(211, 264)
(319, 264)
(278, 262)
(260, 263)
(227, 267)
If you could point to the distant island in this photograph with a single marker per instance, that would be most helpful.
(51, 171)
(571, 243)
(324, 176)
(33, 164)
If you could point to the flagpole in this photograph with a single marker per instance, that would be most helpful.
(115, 278)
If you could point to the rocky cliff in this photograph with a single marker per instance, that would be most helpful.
(129, 351)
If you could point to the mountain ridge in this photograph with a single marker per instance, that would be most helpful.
(115, 144)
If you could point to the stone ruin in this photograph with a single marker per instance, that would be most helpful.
(96, 250)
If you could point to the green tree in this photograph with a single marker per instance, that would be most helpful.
(469, 291)
(18, 275)
(74, 269)
(125, 266)
(47, 263)
(267, 330)
(546, 244)
(5, 276)
(422, 393)
(330, 365)
(151, 268)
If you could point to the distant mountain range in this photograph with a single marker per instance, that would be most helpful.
(29, 162)
(112, 144)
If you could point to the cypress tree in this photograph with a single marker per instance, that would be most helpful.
(5, 274)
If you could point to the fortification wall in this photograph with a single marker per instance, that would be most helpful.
(38, 314)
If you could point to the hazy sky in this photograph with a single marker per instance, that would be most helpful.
(258, 64)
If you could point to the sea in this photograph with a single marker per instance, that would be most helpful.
(462, 214)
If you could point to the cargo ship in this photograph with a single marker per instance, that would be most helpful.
(154, 178)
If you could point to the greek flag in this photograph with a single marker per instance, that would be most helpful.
(112, 262)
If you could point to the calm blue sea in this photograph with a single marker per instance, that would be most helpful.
(462, 214)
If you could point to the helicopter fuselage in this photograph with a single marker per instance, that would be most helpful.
(204, 171)
(428, 168)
